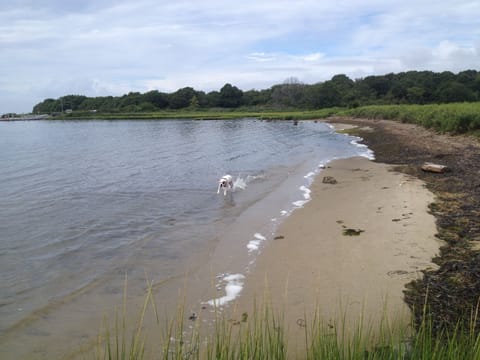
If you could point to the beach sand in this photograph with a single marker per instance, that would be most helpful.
(313, 267)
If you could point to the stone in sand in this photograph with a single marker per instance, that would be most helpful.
(329, 180)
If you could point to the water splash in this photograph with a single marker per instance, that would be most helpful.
(239, 184)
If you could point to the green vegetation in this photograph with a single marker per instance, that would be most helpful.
(412, 87)
(447, 118)
(264, 336)
(215, 114)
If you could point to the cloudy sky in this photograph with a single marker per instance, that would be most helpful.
(51, 48)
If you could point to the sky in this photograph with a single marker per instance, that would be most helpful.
(52, 48)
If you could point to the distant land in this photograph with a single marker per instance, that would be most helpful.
(412, 87)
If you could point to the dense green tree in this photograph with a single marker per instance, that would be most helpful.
(72, 102)
(212, 99)
(46, 106)
(181, 98)
(194, 103)
(290, 94)
(230, 96)
(455, 92)
(415, 95)
(255, 97)
(156, 98)
(345, 88)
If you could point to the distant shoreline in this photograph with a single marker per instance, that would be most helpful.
(26, 118)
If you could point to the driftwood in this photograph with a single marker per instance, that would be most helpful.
(329, 180)
(436, 168)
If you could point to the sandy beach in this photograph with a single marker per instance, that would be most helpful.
(349, 251)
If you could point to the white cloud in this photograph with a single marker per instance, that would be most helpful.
(51, 48)
(261, 57)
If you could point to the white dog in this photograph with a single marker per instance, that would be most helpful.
(225, 183)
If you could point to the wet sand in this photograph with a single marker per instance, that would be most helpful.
(314, 267)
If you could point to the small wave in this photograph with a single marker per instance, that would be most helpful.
(310, 175)
(306, 192)
(233, 288)
(369, 154)
(299, 203)
(255, 243)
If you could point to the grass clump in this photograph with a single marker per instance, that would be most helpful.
(263, 335)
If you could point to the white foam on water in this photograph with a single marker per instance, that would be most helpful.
(299, 203)
(310, 175)
(369, 154)
(233, 288)
(259, 236)
(306, 192)
(254, 245)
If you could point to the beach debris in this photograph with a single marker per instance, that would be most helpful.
(405, 217)
(435, 168)
(279, 237)
(329, 180)
(301, 323)
(244, 317)
(397, 272)
(352, 232)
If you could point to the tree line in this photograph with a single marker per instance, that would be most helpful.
(412, 87)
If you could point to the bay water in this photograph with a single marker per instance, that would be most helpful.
(85, 205)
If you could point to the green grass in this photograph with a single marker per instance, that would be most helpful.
(212, 114)
(455, 118)
(263, 335)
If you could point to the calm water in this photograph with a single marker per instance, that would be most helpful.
(84, 203)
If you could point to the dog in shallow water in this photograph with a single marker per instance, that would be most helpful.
(225, 183)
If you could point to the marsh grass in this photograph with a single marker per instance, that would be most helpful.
(454, 118)
(211, 114)
(263, 335)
